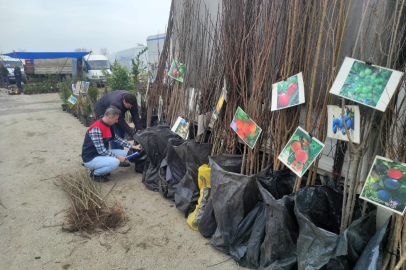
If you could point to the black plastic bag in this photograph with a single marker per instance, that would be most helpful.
(175, 166)
(278, 251)
(239, 243)
(138, 160)
(140, 164)
(319, 246)
(187, 192)
(207, 223)
(279, 183)
(372, 256)
(233, 196)
(154, 141)
(245, 246)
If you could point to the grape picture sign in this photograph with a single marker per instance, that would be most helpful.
(386, 185)
(370, 85)
(335, 125)
(288, 93)
(181, 127)
(246, 128)
(300, 152)
(177, 71)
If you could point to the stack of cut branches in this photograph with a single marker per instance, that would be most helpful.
(89, 210)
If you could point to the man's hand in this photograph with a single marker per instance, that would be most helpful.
(137, 147)
(121, 158)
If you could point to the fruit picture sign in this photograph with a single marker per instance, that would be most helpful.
(370, 85)
(300, 152)
(386, 185)
(336, 129)
(72, 100)
(288, 93)
(177, 71)
(181, 128)
(246, 128)
(82, 87)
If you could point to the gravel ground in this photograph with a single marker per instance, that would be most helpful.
(38, 143)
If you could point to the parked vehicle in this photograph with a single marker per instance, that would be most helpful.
(92, 67)
(9, 63)
(43, 67)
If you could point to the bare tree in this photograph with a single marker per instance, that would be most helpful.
(104, 51)
(82, 50)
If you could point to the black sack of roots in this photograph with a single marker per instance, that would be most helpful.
(234, 196)
(175, 167)
(154, 141)
(187, 192)
(319, 245)
(373, 254)
(207, 223)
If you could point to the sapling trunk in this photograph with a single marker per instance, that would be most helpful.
(346, 216)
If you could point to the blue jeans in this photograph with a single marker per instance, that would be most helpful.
(105, 164)
(121, 133)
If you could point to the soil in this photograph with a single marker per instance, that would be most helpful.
(39, 142)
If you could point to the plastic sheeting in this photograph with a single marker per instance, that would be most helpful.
(187, 192)
(233, 196)
(372, 256)
(175, 167)
(154, 141)
(208, 223)
(278, 250)
(319, 246)
(245, 246)
(229, 163)
(46, 55)
(273, 215)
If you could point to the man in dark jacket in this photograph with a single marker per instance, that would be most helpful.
(124, 101)
(4, 75)
(18, 76)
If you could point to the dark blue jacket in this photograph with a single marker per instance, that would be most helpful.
(17, 72)
(115, 99)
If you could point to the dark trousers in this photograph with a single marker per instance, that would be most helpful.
(121, 133)
(4, 79)
(18, 82)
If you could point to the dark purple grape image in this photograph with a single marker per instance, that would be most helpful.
(338, 123)
(381, 168)
(392, 184)
(384, 195)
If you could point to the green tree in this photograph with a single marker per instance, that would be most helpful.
(139, 73)
(120, 79)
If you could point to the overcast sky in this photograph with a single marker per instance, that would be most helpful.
(49, 25)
